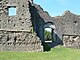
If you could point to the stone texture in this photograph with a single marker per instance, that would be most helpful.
(68, 29)
(16, 31)
(19, 41)
(71, 41)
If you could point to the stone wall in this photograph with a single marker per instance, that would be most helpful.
(71, 41)
(19, 22)
(68, 24)
(16, 31)
(19, 41)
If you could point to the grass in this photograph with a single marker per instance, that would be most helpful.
(58, 53)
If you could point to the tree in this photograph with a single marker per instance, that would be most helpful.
(47, 35)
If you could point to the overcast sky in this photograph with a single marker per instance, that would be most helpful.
(57, 7)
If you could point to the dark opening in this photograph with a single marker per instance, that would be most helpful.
(23, 6)
(0, 0)
(14, 25)
(15, 38)
(46, 47)
(75, 22)
(7, 38)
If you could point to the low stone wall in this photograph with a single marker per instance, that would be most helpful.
(71, 41)
(19, 41)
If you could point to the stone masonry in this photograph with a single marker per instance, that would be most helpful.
(25, 30)
(68, 29)
(16, 31)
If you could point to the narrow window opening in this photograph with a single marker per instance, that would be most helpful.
(12, 11)
(15, 38)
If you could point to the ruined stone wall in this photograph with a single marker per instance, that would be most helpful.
(19, 22)
(16, 31)
(19, 41)
(71, 41)
(68, 25)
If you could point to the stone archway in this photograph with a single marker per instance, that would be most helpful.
(49, 29)
(49, 35)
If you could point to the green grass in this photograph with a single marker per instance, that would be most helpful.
(58, 53)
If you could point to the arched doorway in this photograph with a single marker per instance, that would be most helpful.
(49, 36)
(49, 32)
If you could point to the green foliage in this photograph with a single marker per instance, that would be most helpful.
(47, 35)
(32, 30)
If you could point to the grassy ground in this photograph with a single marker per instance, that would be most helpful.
(58, 53)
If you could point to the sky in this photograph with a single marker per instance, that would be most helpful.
(57, 7)
(48, 29)
(12, 11)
